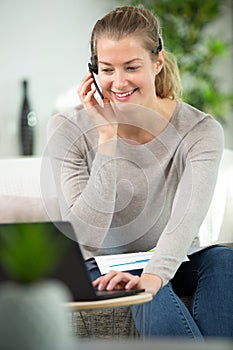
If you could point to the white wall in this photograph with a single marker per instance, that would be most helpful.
(47, 42)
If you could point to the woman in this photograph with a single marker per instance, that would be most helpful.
(138, 170)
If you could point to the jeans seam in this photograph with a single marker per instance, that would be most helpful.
(195, 297)
(183, 317)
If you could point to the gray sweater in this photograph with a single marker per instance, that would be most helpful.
(147, 195)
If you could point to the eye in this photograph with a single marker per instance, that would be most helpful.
(132, 68)
(107, 70)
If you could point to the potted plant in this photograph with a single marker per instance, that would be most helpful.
(31, 311)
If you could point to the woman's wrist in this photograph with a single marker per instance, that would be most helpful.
(151, 283)
(107, 146)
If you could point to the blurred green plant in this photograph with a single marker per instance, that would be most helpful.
(184, 25)
(27, 252)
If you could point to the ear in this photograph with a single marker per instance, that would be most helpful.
(159, 63)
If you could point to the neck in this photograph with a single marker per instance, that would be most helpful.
(165, 107)
(141, 125)
(134, 134)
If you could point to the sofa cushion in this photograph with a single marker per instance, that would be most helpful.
(24, 209)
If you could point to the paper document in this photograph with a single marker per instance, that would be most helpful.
(124, 262)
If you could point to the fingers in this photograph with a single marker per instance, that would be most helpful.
(101, 113)
(133, 283)
(117, 280)
(123, 281)
(96, 282)
(85, 84)
(103, 281)
(86, 92)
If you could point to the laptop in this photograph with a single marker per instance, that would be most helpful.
(70, 267)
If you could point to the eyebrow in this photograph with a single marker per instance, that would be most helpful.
(128, 62)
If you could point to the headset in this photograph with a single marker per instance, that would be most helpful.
(93, 68)
(159, 48)
(93, 65)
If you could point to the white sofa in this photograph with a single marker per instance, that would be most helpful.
(21, 198)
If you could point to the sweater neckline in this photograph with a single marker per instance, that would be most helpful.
(160, 135)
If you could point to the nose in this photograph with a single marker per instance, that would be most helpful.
(120, 80)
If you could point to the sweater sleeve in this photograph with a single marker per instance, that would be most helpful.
(201, 153)
(86, 193)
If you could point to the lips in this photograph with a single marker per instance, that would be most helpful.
(124, 94)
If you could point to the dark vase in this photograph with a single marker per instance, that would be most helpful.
(27, 123)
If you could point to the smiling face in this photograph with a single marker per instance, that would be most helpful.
(126, 71)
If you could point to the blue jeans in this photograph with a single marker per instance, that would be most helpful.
(208, 277)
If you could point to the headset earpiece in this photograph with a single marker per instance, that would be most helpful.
(160, 45)
(159, 48)
(93, 66)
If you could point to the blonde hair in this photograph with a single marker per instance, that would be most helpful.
(137, 20)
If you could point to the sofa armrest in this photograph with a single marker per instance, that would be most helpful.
(20, 192)
(218, 224)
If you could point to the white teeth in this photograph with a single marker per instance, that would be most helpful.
(124, 94)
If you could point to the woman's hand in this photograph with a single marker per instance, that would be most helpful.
(86, 92)
(124, 280)
(103, 116)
